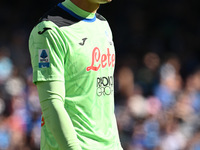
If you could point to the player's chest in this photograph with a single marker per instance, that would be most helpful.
(91, 50)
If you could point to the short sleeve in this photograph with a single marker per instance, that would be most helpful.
(47, 50)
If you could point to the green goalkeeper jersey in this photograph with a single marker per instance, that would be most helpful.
(76, 47)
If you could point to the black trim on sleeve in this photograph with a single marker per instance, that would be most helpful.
(100, 17)
(59, 17)
(62, 18)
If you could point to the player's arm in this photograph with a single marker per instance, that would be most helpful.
(48, 75)
(51, 96)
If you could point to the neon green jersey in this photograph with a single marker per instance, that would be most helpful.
(75, 47)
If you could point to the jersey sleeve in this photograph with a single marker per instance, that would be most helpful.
(56, 118)
(47, 49)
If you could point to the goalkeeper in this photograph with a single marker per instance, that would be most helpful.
(73, 59)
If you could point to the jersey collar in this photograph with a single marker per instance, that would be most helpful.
(77, 12)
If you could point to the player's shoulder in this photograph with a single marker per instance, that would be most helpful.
(42, 28)
(59, 17)
(53, 20)
(100, 17)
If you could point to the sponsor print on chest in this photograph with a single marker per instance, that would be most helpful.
(101, 60)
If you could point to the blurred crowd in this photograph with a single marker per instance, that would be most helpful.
(157, 77)
(155, 108)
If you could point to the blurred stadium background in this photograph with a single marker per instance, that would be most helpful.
(157, 78)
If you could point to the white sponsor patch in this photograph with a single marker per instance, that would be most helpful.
(43, 55)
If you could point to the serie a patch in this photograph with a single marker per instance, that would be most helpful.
(44, 61)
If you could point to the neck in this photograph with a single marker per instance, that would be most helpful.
(86, 5)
